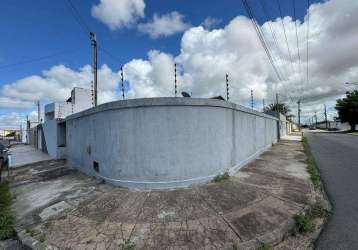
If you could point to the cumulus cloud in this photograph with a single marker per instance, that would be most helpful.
(56, 84)
(11, 120)
(118, 13)
(211, 22)
(207, 55)
(165, 25)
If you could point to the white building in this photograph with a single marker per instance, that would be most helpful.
(49, 136)
(80, 99)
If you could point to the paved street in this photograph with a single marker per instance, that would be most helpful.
(337, 159)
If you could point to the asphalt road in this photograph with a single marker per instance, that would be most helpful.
(337, 158)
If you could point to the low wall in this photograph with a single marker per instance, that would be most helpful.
(166, 142)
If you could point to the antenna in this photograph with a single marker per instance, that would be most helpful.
(227, 87)
(122, 80)
(175, 79)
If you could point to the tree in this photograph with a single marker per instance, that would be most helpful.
(347, 109)
(278, 107)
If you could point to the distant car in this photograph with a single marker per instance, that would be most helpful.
(312, 128)
(4, 154)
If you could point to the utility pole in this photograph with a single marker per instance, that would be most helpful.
(325, 116)
(175, 79)
(28, 125)
(315, 117)
(252, 99)
(299, 114)
(94, 51)
(122, 81)
(227, 87)
(276, 98)
(38, 111)
(263, 105)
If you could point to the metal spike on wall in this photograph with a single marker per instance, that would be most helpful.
(175, 79)
(92, 93)
(227, 87)
(122, 80)
(252, 99)
(263, 104)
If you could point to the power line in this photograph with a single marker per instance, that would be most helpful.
(297, 42)
(76, 15)
(284, 31)
(308, 31)
(260, 36)
(37, 59)
(272, 30)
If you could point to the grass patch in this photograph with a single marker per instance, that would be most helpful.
(127, 245)
(36, 234)
(317, 210)
(6, 218)
(311, 165)
(304, 223)
(265, 246)
(221, 177)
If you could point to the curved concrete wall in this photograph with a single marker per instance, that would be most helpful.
(166, 142)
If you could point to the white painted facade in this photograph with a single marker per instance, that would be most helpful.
(54, 128)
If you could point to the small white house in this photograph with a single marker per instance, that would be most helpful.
(51, 135)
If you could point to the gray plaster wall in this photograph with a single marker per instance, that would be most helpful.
(166, 142)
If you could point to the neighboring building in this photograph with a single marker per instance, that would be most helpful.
(50, 136)
(80, 99)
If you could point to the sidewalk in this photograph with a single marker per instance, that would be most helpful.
(26, 154)
(73, 211)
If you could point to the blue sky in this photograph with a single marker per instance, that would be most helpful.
(32, 29)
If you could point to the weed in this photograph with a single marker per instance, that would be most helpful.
(32, 232)
(36, 234)
(317, 210)
(127, 245)
(42, 237)
(6, 218)
(303, 223)
(265, 246)
(221, 177)
(311, 165)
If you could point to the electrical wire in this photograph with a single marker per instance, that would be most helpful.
(308, 32)
(261, 38)
(285, 34)
(37, 59)
(273, 33)
(76, 15)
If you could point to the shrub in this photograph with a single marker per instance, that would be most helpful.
(221, 177)
(265, 246)
(6, 218)
(303, 223)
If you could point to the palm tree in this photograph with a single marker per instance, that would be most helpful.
(278, 107)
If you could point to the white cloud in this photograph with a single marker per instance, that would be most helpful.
(118, 13)
(12, 120)
(165, 25)
(207, 55)
(211, 22)
(56, 84)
